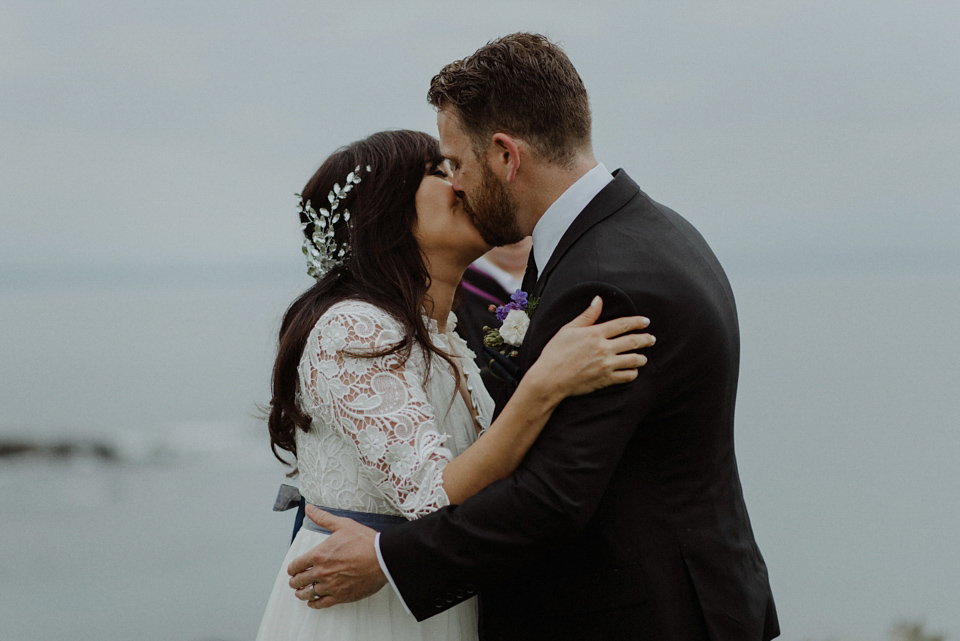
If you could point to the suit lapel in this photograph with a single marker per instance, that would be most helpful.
(611, 198)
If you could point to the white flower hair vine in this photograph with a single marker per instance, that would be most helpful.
(320, 247)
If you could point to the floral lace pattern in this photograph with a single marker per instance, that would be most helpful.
(381, 431)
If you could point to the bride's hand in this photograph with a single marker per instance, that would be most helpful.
(583, 357)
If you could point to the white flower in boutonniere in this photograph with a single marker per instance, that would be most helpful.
(514, 327)
(515, 319)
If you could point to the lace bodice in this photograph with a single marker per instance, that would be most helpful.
(382, 433)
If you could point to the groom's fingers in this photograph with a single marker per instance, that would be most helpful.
(344, 565)
(321, 600)
(300, 566)
(325, 601)
(306, 594)
(313, 582)
(323, 519)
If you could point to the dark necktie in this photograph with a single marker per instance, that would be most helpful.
(529, 282)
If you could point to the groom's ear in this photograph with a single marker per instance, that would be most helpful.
(506, 156)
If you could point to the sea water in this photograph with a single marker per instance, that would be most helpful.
(847, 442)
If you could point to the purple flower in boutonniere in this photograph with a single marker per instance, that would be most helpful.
(515, 319)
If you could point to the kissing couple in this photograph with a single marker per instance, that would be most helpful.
(599, 498)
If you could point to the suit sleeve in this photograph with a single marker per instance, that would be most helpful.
(445, 557)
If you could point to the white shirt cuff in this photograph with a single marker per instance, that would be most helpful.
(386, 572)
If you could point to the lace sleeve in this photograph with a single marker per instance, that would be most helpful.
(376, 404)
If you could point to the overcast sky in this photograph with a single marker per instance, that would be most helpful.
(138, 134)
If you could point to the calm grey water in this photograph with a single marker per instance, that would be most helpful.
(847, 441)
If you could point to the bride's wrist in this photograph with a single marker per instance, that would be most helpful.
(541, 389)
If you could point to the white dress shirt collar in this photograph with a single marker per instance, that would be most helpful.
(561, 214)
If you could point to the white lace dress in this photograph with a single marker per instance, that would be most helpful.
(380, 437)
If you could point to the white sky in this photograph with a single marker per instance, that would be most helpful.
(137, 134)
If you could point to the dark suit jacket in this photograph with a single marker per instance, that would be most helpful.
(626, 520)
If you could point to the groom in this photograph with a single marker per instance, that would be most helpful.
(626, 520)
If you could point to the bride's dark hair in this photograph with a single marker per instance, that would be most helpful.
(384, 265)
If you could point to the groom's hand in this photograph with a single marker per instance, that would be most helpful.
(342, 569)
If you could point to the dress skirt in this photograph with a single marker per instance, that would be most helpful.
(380, 617)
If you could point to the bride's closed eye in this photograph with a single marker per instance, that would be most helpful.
(440, 170)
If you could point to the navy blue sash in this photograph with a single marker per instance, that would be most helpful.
(289, 496)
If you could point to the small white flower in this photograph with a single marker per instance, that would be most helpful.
(373, 442)
(402, 458)
(514, 327)
(333, 337)
(355, 366)
(328, 369)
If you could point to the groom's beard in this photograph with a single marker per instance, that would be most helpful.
(493, 211)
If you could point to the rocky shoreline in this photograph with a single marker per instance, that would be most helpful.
(11, 448)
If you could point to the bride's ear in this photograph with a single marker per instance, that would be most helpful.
(506, 152)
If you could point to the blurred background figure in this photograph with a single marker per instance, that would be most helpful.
(490, 280)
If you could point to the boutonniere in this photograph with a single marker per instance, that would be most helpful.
(514, 320)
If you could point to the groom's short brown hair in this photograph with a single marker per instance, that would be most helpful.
(522, 85)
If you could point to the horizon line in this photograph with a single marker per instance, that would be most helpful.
(740, 262)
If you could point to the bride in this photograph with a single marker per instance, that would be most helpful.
(377, 398)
